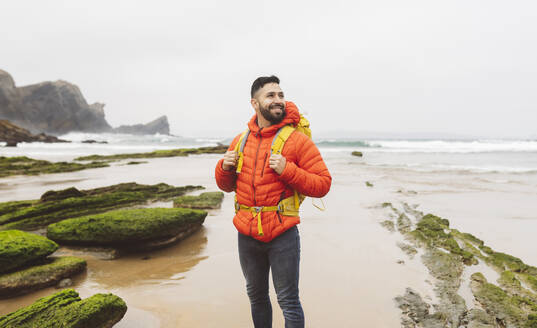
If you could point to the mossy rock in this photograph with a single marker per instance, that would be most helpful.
(158, 153)
(22, 165)
(18, 248)
(61, 194)
(47, 273)
(357, 153)
(434, 231)
(122, 228)
(207, 200)
(8, 207)
(69, 203)
(509, 310)
(66, 309)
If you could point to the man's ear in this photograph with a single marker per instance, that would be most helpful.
(254, 103)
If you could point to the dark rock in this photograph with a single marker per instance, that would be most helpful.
(415, 311)
(91, 141)
(357, 153)
(13, 134)
(61, 194)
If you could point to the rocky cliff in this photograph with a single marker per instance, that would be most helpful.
(58, 108)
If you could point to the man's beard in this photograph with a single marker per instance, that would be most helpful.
(273, 119)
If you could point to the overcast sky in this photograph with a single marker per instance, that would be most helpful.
(451, 67)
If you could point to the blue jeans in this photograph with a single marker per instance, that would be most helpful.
(282, 256)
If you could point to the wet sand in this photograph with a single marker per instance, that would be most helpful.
(349, 269)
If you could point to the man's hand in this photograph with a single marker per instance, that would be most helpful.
(230, 160)
(277, 163)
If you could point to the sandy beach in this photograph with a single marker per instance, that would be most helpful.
(350, 273)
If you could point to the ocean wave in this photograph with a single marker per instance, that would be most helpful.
(431, 146)
(431, 168)
(444, 146)
(121, 138)
(344, 143)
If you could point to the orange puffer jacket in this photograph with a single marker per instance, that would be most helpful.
(259, 185)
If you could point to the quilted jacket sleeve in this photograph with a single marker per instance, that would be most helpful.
(309, 176)
(226, 180)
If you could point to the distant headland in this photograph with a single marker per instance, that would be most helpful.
(59, 107)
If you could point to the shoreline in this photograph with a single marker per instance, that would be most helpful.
(349, 261)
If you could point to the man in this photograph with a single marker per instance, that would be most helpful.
(268, 238)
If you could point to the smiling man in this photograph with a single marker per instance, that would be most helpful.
(266, 202)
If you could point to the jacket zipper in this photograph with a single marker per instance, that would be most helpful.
(255, 165)
(264, 164)
(253, 175)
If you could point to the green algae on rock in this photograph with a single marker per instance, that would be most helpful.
(357, 153)
(65, 309)
(368, 184)
(157, 153)
(511, 304)
(509, 310)
(18, 248)
(206, 200)
(435, 232)
(47, 273)
(22, 165)
(126, 228)
(389, 225)
(55, 206)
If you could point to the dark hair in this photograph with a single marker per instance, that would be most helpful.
(261, 81)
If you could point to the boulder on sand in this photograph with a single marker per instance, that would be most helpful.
(47, 273)
(65, 309)
(18, 248)
(69, 203)
(130, 229)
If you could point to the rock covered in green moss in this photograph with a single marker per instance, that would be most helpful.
(18, 248)
(52, 195)
(122, 228)
(158, 153)
(46, 273)
(55, 206)
(509, 310)
(12, 206)
(66, 309)
(434, 231)
(22, 165)
(357, 153)
(206, 200)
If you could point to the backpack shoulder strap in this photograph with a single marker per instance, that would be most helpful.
(280, 138)
(239, 148)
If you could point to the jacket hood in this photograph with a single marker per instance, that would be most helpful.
(292, 116)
